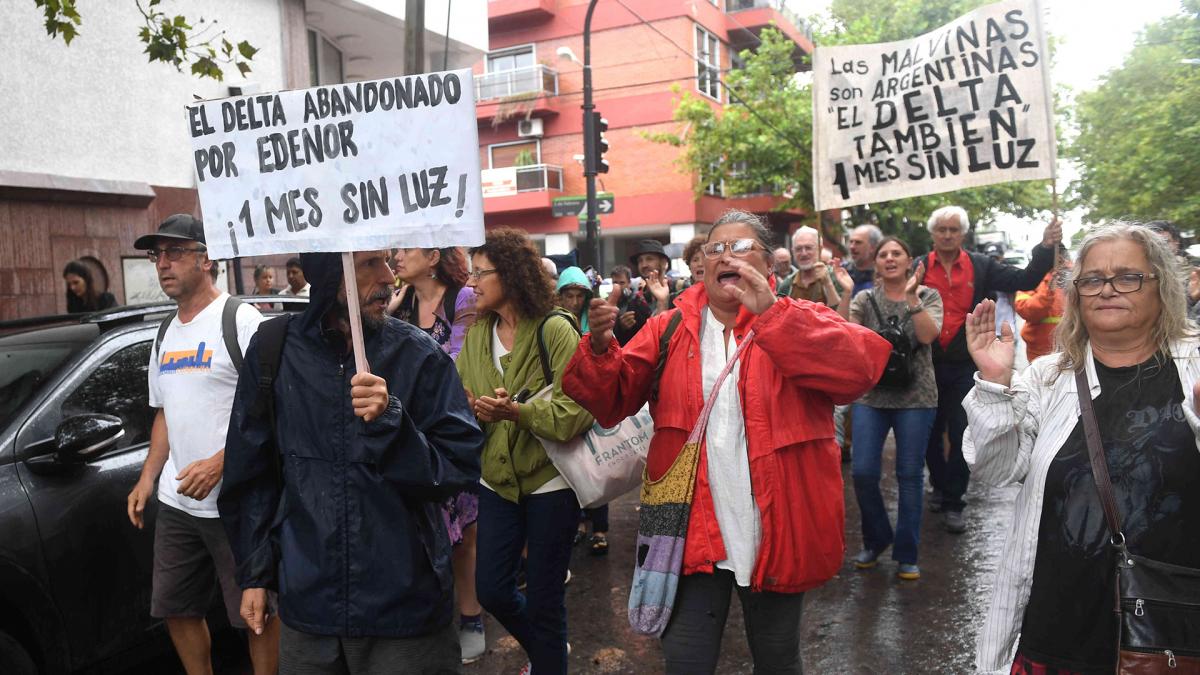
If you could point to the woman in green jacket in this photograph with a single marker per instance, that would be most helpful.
(523, 499)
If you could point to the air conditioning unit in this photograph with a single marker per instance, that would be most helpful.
(529, 128)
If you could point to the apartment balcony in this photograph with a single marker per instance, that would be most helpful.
(523, 91)
(746, 19)
(521, 188)
(505, 12)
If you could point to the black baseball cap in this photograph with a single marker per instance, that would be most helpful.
(181, 227)
(648, 246)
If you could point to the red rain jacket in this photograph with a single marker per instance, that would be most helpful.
(804, 359)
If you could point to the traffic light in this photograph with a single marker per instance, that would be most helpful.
(599, 142)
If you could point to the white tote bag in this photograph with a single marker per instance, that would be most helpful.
(603, 464)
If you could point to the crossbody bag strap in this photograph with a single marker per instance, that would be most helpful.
(875, 307)
(1091, 431)
(702, 421)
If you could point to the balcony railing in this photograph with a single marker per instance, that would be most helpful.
(732, 6)
(530, 80)
(513, 179)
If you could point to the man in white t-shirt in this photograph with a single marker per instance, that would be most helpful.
(192, 379)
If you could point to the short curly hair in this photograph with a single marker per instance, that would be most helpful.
(519, 267)
(693, 247)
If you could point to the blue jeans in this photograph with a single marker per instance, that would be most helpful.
(912, 426)
(537, 618)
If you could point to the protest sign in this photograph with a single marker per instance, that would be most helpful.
(347, 167)
(965, 105)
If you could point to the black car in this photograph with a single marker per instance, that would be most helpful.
(74, 430)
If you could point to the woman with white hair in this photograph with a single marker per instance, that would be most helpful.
(1124, 332)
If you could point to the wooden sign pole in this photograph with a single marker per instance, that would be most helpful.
(355, 311)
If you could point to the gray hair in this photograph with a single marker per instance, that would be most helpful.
(755, 223)
(957, 212)
(805, 229)
(874, 235)
(1071, 337)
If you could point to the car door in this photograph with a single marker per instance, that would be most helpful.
(99, 565)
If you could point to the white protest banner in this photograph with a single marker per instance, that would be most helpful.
(347, 167)
(965, 105)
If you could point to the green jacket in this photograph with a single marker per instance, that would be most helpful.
(514, 464)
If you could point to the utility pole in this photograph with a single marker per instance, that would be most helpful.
(590, 151)
(414, 37)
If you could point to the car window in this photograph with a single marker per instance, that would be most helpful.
(23, 368)
(117, 387)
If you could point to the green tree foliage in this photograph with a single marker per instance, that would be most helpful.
(1139, 130)
(763, 136)
(169, 39)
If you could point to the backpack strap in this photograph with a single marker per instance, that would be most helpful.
(162, 331)
(229, 331)
(664, 343)
(271, 335)
(543, 353)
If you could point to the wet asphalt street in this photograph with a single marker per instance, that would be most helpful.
(861, 622)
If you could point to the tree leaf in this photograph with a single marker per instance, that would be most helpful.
(246, 50)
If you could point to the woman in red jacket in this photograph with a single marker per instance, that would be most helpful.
(767, 515)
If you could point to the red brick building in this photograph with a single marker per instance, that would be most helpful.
(530, 122)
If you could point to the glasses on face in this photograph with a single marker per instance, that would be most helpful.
(172, 253)
(738, 247)
(1130, 282)
(479, 274)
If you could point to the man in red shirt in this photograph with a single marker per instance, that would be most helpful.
(963, 279)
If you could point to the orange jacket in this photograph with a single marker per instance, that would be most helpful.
(1042, 309)
(804, 359)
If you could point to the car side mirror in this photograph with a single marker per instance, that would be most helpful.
(82, 437)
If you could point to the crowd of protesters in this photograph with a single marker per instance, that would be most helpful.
(363, 522)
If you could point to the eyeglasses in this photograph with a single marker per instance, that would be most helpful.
(172, 253)
(479, 274)
(1121, 283)
(739, 248)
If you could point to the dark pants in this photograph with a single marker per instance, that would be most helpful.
(950, 475)
(692, 641)
(871, 426)
(537, 619)
(599, 518)
(307, 654)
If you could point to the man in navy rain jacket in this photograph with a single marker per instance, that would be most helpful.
(338, 510)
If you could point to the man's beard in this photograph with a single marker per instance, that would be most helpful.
(371, 320)
(805, 267)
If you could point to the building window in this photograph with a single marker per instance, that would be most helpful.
(324, 60)
(510, 59)
(525, 153)
(717, 187)
(708, 63)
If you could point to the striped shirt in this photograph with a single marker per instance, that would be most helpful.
(1012, 436)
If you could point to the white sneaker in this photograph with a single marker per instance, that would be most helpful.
(472, 643)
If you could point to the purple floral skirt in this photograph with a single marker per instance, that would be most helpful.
(459, 512)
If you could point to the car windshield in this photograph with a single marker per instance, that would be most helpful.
(23, 368)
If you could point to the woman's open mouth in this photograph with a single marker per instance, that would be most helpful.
(731, 277)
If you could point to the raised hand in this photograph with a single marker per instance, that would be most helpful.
(1052, 235)
(602, 318)
(820, 271)
(657, 285)
(842, 277)
(917, 278)
(993, 356)
(752, 290)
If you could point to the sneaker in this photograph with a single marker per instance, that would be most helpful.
(599, 544)
(935, 501)
(472, 643)
(954, 523)
(908, 571)
(866, 558)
